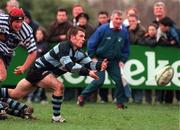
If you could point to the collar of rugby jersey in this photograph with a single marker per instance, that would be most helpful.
(112, 26)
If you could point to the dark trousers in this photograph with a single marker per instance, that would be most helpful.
(103, 93)
(114, 72)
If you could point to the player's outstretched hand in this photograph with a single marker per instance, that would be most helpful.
(92, 73)
(19, 70)
(104, 64)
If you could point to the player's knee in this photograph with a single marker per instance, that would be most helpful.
(62, 89)
(59, 88)
(14, 95)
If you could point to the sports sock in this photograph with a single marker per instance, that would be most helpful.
(57, 101)
(15, 108)
(3, 92)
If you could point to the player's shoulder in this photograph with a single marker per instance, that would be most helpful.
(3, 15)
(63, 46)
(26, 27)
(4, 18)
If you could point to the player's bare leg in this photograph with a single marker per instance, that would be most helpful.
(57, 98)
(3, 72)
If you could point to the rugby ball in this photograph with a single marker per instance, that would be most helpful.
(164, 75)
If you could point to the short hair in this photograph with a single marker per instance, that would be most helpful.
(103, 12)
(166, 21)
(118, 12)
(159, 3)
(77, 5)
(74, 31)
(13, 3)
(134, 9)
(134, 15)
(62, 10)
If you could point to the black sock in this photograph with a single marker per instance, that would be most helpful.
(57, 101)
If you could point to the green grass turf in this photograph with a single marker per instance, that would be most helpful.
(100, 117)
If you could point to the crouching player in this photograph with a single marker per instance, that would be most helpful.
(65, 57)
(14, 108)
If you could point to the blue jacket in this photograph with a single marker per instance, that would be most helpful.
(174, 34)
(108, 43)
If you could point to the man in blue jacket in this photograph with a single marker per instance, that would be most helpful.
(109, 41)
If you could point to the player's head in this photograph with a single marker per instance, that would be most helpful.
(77, 36)
(16, 18)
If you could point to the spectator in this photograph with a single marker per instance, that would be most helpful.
(103, 18)
(83, 22)
(167, 32)
(76, 10)
(150, 37)
(130, 11)
(168, 35)
(58, 29)
(159, 11)
(11, 4)
(136, 32)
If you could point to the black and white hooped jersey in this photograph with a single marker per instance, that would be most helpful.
(63, 56)
(9, 39)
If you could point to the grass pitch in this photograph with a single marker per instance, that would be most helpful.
(100, 117)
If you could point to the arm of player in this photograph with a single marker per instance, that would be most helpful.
(92, 74)
(29, 60)
(94, 64)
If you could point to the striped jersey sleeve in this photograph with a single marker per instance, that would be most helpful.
(63, 56)
(26, 35)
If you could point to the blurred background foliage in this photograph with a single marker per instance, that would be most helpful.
(44, 11)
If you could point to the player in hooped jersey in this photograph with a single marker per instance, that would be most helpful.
(13, 32)
(65, 57)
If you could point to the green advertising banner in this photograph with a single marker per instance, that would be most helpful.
(139, 70)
